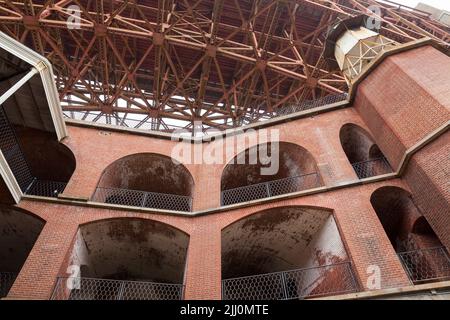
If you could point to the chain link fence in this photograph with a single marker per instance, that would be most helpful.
(13, 154)
(103, 289)
(270, 189)
(6, 281)
(45, 188)
(372, 168)
(426, 265)
(17, 162)
(295, 284)
(136, 198)
(310, 104)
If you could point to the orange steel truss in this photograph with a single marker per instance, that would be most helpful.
(163, 64)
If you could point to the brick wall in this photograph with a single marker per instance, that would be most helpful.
(405, 98)
(428, 176)
(94, 150)
(361, 232)
(402, 101)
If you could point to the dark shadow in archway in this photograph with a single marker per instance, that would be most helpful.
(364, 155)
(126, 259)
(147, 180)
(285, 253)
(243, 178)
(423, 256)
(50, 162)
(19, 231)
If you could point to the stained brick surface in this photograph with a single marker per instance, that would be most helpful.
(401, 102)
(405, 98)
(360, 229)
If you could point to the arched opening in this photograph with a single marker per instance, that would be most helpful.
(41, 165)
(284, 253)
(19, 231)
(147, 180)
(268, 170)
(50, 162)
(126, 259)
(420, 250)
(362, 152)
(30, 126)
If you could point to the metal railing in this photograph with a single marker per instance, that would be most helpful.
(105, 289)
(270, 189)
(311, 104)
(14, 156)
(295, 284)
(372, 168)
(46, 188)
(136, 198)
(6, 281)
(426, 265)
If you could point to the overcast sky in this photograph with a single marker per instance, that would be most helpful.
(441, 4)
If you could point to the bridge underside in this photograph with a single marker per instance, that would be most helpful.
(163, 65)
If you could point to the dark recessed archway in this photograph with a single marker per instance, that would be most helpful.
(41, 165)
(294, 169)
(19, 231)
(295, 248)
(126, 258)
(48, 159)
(362, 152)
(402, 221)
(419, 249)
(131, 249)
(280, 239)
(356, 142)
(148, 180)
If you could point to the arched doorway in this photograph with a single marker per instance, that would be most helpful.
(19, 231)
(423, 256)
(364, 155)
(244, 178)
(50, 162)
(285, 253)
(126, 259)
(41, 165)
(147, 180)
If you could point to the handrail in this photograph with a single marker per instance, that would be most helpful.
(371, 168)
(270, 188)
(145, 199)
(301, 283)
(83, 288)
(426, 265)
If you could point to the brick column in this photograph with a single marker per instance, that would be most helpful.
(207, 189)
(203, 270)
(38, 275)
(369, 245)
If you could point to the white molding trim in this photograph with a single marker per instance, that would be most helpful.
(48, 80)
(18, 85)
